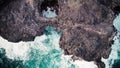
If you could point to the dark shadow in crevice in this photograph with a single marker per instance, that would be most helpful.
(105, 2)
(48, 3)
(116, 10)
(4, 3)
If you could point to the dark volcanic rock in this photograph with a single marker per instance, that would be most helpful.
(113, 4)
(20, 20)
(86, 24)
(87, 31)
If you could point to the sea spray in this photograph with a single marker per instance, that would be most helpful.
(43, 52)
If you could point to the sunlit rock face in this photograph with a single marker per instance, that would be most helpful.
(86, 25)
(43, 52)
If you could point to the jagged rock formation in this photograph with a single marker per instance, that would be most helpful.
(20, 20)
(86, 24)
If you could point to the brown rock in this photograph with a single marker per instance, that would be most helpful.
(86, 24)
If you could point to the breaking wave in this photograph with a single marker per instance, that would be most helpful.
(114, 59)
(43, 52)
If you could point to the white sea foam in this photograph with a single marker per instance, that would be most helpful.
(49, 13)
(43, 52)
(115, 47)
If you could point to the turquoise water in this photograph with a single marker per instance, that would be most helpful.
(51, 57)
(43, 52)
(114, 59)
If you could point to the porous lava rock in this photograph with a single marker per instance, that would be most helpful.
(86, 25)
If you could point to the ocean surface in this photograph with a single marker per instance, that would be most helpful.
(43, 52)
(114, 59)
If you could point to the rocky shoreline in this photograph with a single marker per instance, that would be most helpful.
(86, 24)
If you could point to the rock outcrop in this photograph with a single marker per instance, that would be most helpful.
(86, 24)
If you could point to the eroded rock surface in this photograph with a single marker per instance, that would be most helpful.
(86, 24)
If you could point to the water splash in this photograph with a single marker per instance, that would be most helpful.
(114, 59)
(49, 13)
(43, 52)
